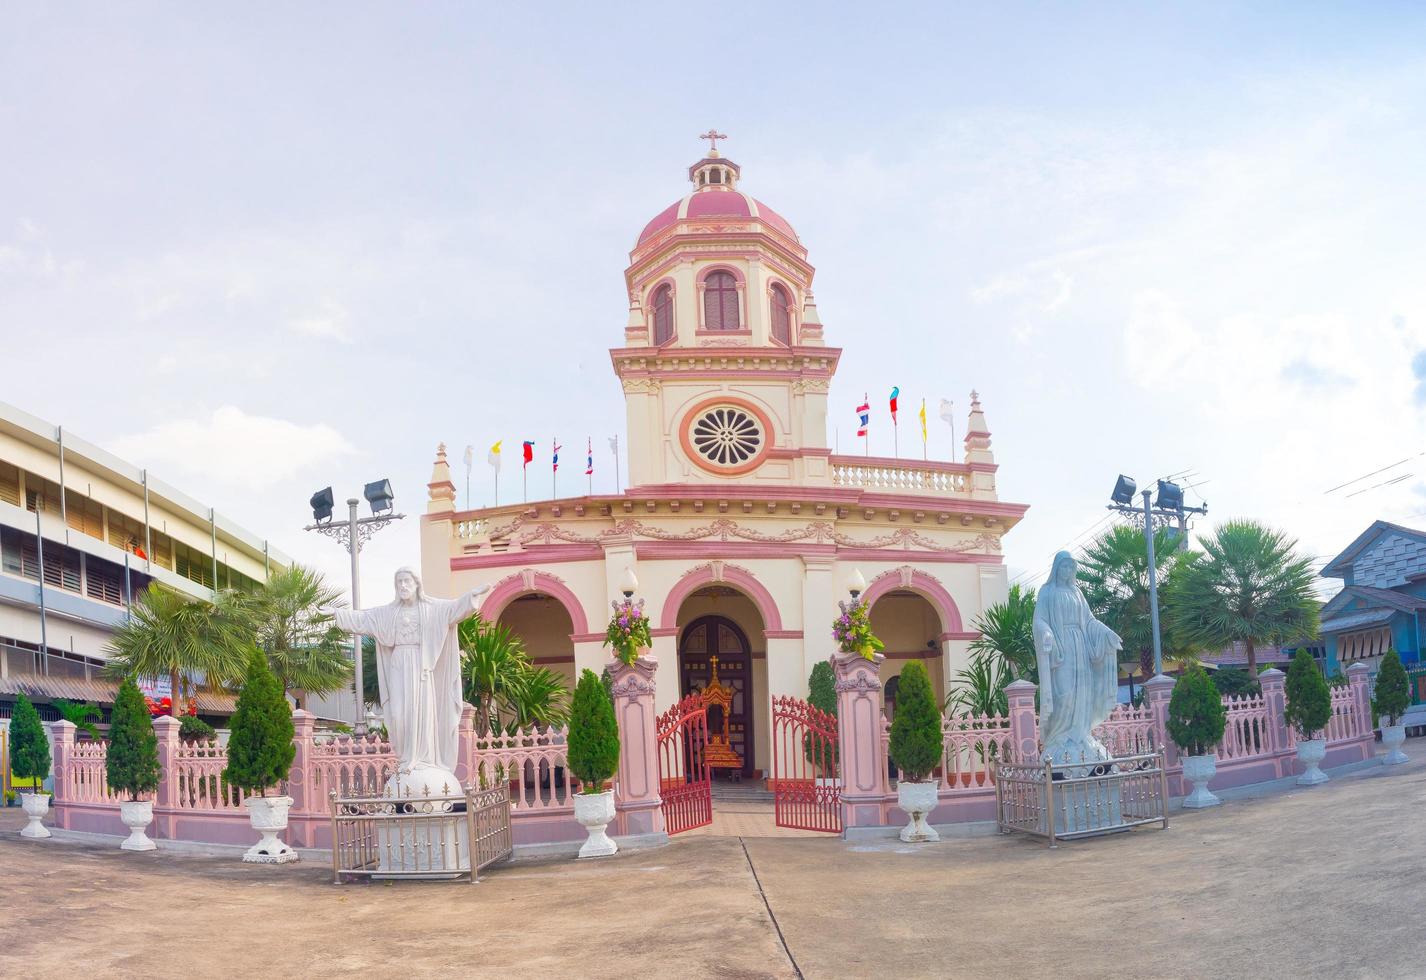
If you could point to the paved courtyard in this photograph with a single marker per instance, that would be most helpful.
(1306, 883)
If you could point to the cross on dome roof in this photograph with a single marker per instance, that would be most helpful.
(713, 136)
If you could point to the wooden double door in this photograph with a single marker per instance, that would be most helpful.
(698, 643)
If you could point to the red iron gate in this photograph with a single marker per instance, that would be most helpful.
(684, 784)
(806, 790)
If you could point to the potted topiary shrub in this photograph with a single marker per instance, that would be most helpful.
(1195, 723)
(1391, 699)
(916, 746)
(1309, 709)
(260, 753)
(131, 763)
(822, 695)
(593, 756)
(30, 760)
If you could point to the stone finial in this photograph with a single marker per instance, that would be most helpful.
(442, 489)
(636, 329)
(809, 333)
(977, 440)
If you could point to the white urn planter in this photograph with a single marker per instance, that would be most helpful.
(36, 806)
(1392, 738)
(1199, 769)
(595, 811)
(1311, 752)
(137, 815)
(917, 800)
(268, 815)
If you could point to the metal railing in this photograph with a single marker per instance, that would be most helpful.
(1068, 801)
(432, 837)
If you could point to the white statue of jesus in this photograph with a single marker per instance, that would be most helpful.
(1079, 669)
(418, 673)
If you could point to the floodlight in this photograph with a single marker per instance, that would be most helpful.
(1170, 496)
(378, 494)
(322, 505)
(1124, 490)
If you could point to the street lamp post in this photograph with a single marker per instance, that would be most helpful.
(352, 534)
(1169, 505)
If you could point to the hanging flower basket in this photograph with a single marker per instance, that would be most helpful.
(852, 630)
(628, 631)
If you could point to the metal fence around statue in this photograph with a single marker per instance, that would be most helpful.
(1061, 801)
(440, 837)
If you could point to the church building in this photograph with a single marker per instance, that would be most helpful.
(741, 526)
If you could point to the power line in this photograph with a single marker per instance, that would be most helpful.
(1373, 473)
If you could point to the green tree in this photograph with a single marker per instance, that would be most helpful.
(174, 636)
(260, 749)
(80, 714)
(978, 688)
(304, 647)
(1232, 681)
(593, 752)
(1114, 575)
(1309, 699)
(822, 688)
(29, 749)
(1197, 717)
(1393, 691)
(916, 737)
(132, 759)
(507, 691)
(1248, 585)
(1007, 633)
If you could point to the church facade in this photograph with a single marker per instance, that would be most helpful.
(742, 527)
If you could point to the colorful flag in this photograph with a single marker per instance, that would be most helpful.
(529, 449)
(894, 393)
(923, 420)
(493, 457)
(864, 415)
(589, 462)
(555, 454)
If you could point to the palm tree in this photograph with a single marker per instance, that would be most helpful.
(172, 634)
(304, 648)
(1114, 574)
(507, 690)
(1006, 633)
(1249, 585)
(979, 689)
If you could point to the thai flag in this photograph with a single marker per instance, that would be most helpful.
(529, 448)
(864, 414)
(555, 462)
(894, 392)
(589, 462)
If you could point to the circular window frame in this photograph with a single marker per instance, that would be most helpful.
(698, 411)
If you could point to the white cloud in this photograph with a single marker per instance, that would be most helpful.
(329, 322)
(231, 446)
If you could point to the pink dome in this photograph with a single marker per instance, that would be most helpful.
(715, 204)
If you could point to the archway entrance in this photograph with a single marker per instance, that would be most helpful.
(716, 643)
(543, 625)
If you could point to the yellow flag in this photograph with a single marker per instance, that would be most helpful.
(923, 420)
(494, 456)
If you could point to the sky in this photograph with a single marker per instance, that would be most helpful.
(267, 248)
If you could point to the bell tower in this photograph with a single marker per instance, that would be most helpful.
(724, 370)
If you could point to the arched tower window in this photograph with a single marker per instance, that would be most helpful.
(781, 315)
(720, 302)
(663, 315)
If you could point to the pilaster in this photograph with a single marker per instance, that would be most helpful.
(637, 799)
(1024, 723)
(864, 780)
(1157, 692)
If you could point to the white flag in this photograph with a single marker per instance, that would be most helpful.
(948, 411)
(469, 456)
(614, 445)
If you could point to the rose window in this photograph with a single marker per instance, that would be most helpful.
(727, 436)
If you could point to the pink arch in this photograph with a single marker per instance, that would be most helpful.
(743, 581)
(513, 587)
(923, 585)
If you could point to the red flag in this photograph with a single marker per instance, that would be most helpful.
(894, 393)
(529, 451)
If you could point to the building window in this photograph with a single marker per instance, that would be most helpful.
(103, 581)
(720, 302)
(663, 315)
(717, 176)
(781, 316)
(727, 436)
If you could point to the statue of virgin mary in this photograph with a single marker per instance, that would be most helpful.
(418, 672)
(1079, 668)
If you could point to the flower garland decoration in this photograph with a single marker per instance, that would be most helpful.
(628, 630)
(852, 629)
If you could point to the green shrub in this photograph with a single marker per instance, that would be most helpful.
(29, 748)
(132, 762)
(593, 734)
(1393, 691)
(191, 726)
(260, 750)
(916, 738)
(1309, 699)
(1196, 713)
(81, 715)
(822, 688)
(1231, 681)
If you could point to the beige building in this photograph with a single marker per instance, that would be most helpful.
(743, 527)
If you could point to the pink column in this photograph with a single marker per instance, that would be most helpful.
(1024, 725)
(1360, 682)
(62, 747)
(165, 803)
(637, 796)
(307, 804)
(864, 781)
(1157, 692)
(1273, 683)
(465, 750)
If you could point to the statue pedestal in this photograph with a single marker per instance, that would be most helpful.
(427, 832)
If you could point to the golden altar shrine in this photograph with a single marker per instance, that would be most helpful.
(719, 754)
